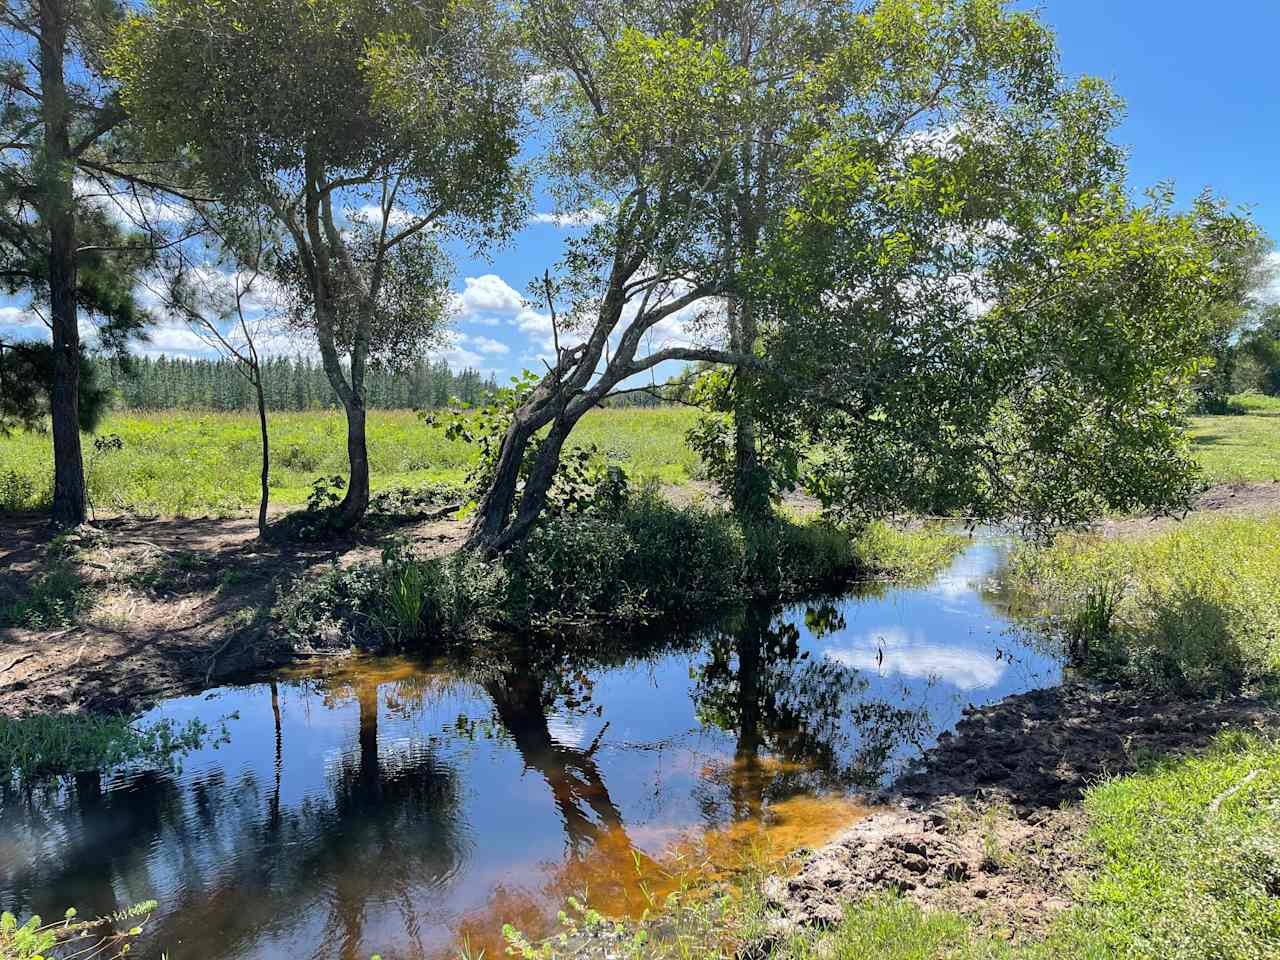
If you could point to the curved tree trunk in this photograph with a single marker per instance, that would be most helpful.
(59, 217)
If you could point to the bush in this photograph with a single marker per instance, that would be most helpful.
(17, 491)
(624, 560)
(1192, 610)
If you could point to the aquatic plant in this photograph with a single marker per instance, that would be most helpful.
(1191, 609)
(87, 940)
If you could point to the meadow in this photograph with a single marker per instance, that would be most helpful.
(1242, 447)
(180, 463)
(183, 463)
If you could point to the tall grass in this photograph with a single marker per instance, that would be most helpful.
(184, 463)
(1192, 610)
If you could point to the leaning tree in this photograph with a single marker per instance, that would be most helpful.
(924, 220)
(364, 130)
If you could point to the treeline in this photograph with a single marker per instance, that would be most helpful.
(289, 383)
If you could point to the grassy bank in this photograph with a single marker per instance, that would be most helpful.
(184, 463)
(1183, 860)
(1243, 447)
(1192, 610)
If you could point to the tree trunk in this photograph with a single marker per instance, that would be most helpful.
(59, 216)
(494, 529)
(494, 511)
(351, 510)
(266, 459)
(750, 493)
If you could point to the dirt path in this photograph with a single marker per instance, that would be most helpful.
(987, 824)
(1224, 499)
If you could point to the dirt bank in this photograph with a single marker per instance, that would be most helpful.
(172, 606)
(986, 823)
(1223, 499)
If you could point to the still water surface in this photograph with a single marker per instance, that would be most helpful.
(401, 808)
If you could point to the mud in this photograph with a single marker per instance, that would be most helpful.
(987, 823)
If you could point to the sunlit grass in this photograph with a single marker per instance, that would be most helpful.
(1243, 447)
(190, 463)
(1192, 609)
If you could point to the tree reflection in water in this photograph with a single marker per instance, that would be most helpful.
(373, 843)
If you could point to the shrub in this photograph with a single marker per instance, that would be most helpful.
(17, 490)
(625, 559)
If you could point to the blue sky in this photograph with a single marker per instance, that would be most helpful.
(1203, 109)
(1203, 101)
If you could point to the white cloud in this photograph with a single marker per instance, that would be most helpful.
(892, 650)
(19, 317)
(572, 218)
(486, 299)
(127, 210)
(171, 340)
(486, 344)
(400, 217)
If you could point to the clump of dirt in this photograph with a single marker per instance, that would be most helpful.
(985, 824)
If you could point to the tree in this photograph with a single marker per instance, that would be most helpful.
(361, 129)
(1238, 313)
(948, 291)
(26, 383)
(60, 181)
(216, 299)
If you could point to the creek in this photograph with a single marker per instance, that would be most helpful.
(406, 808)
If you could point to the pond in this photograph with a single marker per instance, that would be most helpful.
(392, 807)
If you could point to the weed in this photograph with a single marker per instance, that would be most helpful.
(87, 940)
(17, 490)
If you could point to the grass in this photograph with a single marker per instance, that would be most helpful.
(1192, 610)
(1186, 866)
(181, 463)
(1242, 447)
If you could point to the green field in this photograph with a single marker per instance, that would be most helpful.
(188, 463)
(1243, 447)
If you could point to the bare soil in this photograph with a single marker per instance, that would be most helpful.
(177, 605)
(1224, 499)
(988, 822)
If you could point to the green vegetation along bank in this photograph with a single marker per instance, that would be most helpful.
(1191, 610)
(623, 562)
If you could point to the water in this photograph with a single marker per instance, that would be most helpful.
(401, 808)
